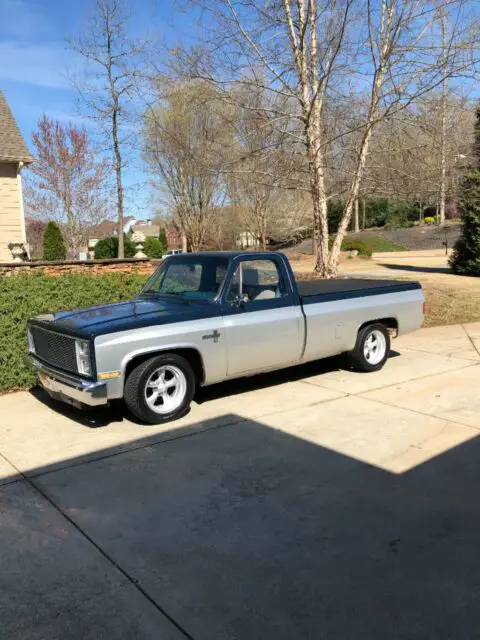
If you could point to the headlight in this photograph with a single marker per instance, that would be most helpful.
(82, 350)
(31, 344)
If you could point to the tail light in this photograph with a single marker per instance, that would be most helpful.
(424, 308)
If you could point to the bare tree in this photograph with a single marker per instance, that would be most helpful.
(258, 148)
(186, 135)
(316, 54)
(68, 182)
(113, 68)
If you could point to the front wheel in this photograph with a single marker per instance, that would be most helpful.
(371, 349)
(160, 389)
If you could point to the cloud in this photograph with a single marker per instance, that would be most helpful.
(44, 65)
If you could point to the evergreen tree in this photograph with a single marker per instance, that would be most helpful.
(163, 239)
(465, 258)
(53, 244)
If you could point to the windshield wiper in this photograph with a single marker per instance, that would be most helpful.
(162, 294)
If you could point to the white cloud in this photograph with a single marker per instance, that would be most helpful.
(44, 65)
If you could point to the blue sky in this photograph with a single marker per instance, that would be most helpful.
(35, 64)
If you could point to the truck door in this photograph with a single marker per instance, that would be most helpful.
(264, 325)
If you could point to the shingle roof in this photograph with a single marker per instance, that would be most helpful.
(12, 145)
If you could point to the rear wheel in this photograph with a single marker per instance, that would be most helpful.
(160, 389)
(371, 349)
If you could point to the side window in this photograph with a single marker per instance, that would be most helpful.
(182, 277)
(256, 280)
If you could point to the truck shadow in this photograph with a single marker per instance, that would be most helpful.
(117, 412)
(247, 531)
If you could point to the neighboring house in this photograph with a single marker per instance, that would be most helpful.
(247, 240)
(174, 238)
(147, 228)
(14, 155)
(107, 228)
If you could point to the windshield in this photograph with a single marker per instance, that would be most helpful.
(191, 278)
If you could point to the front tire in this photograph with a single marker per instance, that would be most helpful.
(371, 349)
(160, 389)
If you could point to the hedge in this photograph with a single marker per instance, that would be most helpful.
(25, 296)
(107, 248)
(153, 248)
(357, 245)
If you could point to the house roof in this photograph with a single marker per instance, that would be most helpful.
(12, 146)
(147, 229)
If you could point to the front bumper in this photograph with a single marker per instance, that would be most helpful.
(71, 389)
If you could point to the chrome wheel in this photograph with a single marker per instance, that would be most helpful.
(165, 389)
(374, 347)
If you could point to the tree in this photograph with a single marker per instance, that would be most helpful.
(53, 243)
(466, 255)
(113, 62)
(162, 236)
(257, 148)
(186, 136)
(67, 182)
(107, 248)
(35, 230)
(316, 55)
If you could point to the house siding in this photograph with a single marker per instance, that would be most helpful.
(11, 209)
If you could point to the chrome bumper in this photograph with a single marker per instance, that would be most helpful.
(70, 388)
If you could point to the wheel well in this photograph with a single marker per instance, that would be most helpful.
(390, 323)
(192, 355)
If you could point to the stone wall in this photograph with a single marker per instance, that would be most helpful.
(88, 267)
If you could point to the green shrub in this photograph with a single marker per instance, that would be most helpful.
(357, 245)
(429, 220)
(22, 297)
(53, 243)
(162, 236)
(107, 248)
(153, 248)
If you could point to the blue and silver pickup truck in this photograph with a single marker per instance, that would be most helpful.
(207, 317)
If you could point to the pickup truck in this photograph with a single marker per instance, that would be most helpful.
(203, 318)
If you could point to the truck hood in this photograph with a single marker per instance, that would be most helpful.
(123, 316)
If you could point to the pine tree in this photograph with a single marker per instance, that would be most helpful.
(53, 243)
(465, 258)
(163, 239)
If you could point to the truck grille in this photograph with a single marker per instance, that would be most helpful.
(55, 349)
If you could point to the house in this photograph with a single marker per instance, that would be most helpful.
(174, 238)
(14, 155)
(247, 240)
(147, 228)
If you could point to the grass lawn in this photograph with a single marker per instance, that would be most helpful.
(378, 244)
(448, 305)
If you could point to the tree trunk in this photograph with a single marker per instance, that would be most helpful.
(363, 214)
(357, 224)
(118, 176)
(443, 140)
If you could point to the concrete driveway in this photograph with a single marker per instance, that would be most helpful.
(313, 503)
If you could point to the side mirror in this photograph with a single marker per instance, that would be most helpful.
(240, 300)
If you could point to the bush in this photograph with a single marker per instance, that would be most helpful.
(22, 297)
(107, 248)
(429, 220)
(153, 248)
(53, 243)
(162, 236)
(357, 245)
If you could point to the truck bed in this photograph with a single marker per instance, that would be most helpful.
(312, 291)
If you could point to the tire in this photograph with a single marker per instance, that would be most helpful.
(155, 398)
(370, 358)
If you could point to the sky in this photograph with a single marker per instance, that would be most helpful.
(36, 66)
